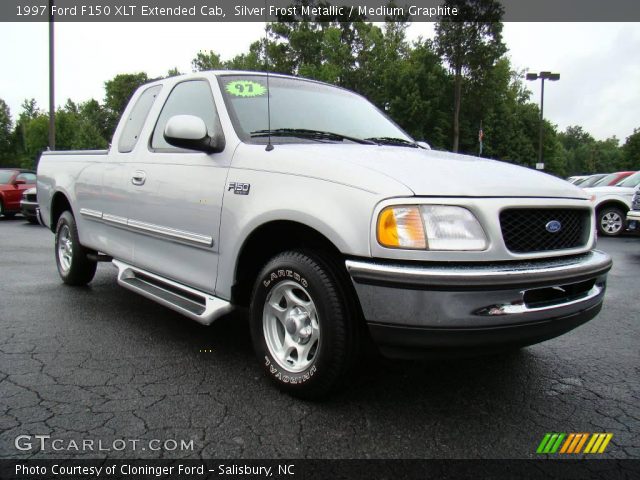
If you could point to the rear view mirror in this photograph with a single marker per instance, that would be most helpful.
(189, 131)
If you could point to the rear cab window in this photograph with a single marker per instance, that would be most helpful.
(137, 117)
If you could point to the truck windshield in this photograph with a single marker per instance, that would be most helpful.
(631, 181)
(304, 111)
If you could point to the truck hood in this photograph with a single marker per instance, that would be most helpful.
(434, 173)
(602, 191)
(398, 171)
(425, 172)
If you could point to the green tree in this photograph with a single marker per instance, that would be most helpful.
(173, 72)
(631, 151)
(6, 134)
(206, 61)
(418, 95)
(470, 46)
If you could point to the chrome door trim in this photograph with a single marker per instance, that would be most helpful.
(91, 214)
(114, 219)
(148, 228)
(171, 233)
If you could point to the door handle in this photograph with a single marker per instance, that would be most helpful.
(138, 177)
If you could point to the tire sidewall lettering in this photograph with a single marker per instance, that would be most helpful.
(281, 375)
(287, 377)
(281, 273)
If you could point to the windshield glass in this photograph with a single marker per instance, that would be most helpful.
(591, 181)
(630, 181)
(604, 181)
(5, 176)
(302, 105)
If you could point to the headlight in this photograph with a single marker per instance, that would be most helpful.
(430, 227)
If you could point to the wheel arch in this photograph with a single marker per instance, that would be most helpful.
(612, 202)
(59, 203)
(267, 240)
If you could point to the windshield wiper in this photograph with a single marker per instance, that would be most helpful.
(401, 142)
(306, 133)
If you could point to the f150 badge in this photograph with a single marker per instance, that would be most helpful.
(239, 188)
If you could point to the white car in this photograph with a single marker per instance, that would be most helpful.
(612, 204)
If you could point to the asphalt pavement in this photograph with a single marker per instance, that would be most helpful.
(105, 365)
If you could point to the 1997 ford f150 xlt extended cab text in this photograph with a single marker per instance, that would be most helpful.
(330, 223)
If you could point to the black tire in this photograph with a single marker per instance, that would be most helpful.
(78, 269)
(5, 214)
(611, 221)
(336, 319)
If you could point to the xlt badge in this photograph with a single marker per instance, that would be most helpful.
(239, 188)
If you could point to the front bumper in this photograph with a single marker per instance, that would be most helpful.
(448, 305)
(633, 220)
(28, 209)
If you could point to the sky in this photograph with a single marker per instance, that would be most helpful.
(599, 63)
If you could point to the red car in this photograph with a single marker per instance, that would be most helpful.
(612, 179)
(13, 182)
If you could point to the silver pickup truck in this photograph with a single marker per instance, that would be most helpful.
(306, 204)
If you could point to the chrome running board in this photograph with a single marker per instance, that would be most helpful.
(192, 303)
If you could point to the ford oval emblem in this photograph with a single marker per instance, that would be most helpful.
(553, 226)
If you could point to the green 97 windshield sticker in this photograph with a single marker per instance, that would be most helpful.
(245, 88)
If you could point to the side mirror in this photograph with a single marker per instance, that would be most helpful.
(19, 181)
(424, 145)
(189, 131)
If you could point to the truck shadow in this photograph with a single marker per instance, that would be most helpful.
(402, 387)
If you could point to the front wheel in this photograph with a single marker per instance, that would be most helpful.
(611, 221)
(71, 258)
(303, 325)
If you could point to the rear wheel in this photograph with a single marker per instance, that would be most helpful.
(303, 327)
(611, 221)
(71, 258)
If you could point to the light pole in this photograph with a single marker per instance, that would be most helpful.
(52, 102)
(542, 76)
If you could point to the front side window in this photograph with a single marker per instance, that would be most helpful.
(29, 178)
(603, 182)
(192, 97)
(302, 105)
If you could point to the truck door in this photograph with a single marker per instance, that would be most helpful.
(112, 235)
(176, 195)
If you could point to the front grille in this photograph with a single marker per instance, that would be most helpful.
(635, 203)
(524, 230)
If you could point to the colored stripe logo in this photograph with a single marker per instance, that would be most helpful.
(573, 443)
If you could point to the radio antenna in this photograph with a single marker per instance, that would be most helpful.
(266, 56)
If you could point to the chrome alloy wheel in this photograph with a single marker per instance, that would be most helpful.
(65, 248)
(611, 222)
(290, 325)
